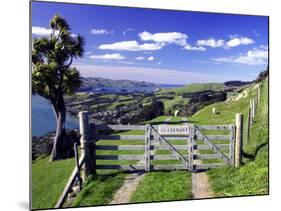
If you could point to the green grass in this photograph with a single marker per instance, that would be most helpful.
(99, 190)
(178, 100)
(116, 104)
(48, 181)
(163, 119)
(252, 177)
(163, 186)
(197, 87)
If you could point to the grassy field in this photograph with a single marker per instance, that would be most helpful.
(48, 181)
(163, 186)
(252, 177)
(178, 100)
(99, 190)
(197, 87)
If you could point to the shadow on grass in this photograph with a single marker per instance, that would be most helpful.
(253, 156)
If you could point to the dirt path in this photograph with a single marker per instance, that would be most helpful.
(131, 181)
(129, 186)
(200, 184)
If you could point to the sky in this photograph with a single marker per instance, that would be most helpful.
(161, 46)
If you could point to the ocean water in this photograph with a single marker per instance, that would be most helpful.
(43, 118)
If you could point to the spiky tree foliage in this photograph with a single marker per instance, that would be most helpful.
(262, 75)
(52, 74)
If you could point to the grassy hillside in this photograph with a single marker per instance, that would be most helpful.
(252, 177)
(196, 87)
(48, 181)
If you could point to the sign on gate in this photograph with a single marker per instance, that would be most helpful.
(173, 129)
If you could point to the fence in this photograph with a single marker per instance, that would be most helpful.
(154, 139)
(253, 104)
(225, 147)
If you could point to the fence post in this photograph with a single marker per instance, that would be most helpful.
(254, 109)
(77, 165)
(87, 146)
(251, 108)
(147, 147)
(249, 124)
(238, 139)
(231, 147)
(190, 147)
(259, 93)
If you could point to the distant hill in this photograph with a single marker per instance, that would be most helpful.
(109, 85)
(196, 87)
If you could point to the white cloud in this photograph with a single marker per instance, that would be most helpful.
(165, 37)
(194, 48)
(151, 58)
(126, 62)
(211, 42)
(256, 56)
(99, 31)
(41, 31)
(238, 40)
(115, 56)
(127, 30)
(140, 58)
(234, 41)
(131, 46)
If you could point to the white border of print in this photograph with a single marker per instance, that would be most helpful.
(15, 102)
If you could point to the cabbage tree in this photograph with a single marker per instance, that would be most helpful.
(52, 74)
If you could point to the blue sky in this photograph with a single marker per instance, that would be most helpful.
(161, 46)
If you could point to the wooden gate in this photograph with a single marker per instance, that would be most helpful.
(212, 146)
(193, 147)
(207, 146)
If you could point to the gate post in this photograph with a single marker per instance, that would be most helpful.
(232, 147)
(238, 140)
(147, 147)
(190, 147)
(87, 146)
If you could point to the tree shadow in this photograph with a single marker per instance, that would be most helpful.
(253, 156)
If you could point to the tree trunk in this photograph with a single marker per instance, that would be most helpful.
(60, 113)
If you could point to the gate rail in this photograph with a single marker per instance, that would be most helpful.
(154, 141)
